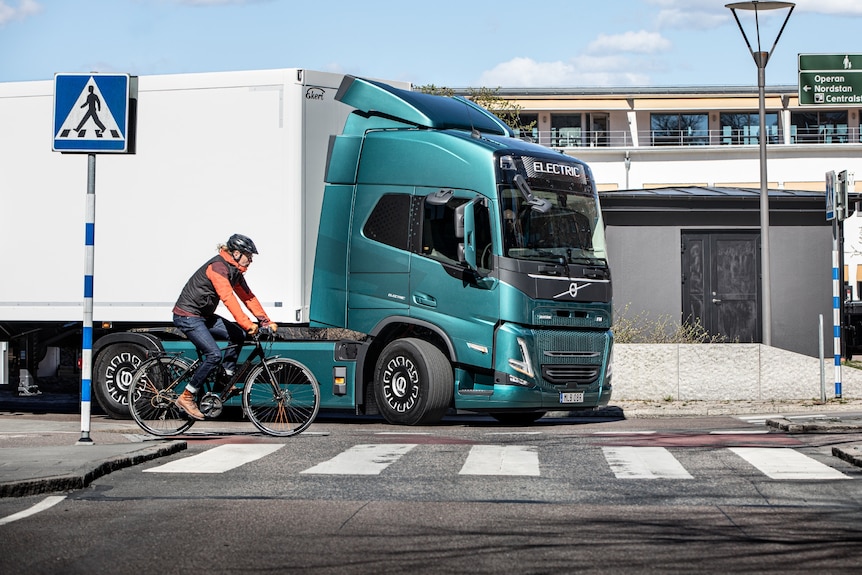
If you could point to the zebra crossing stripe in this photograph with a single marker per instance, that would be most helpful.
(501, 460)
(218, 459)
(368, 459)
(644, 463)
(625, 462)
(778, 463)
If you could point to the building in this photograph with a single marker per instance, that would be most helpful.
(679, 170)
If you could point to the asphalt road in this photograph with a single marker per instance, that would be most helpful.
(666, 495)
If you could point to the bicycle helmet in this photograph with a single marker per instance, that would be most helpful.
(241, 243)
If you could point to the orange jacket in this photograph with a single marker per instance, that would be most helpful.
(218, 280)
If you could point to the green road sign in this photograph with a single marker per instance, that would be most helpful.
(830, 79)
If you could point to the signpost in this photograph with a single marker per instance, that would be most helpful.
(830, 79)
(92, 115)
(839, 188)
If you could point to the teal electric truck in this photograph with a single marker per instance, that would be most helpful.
(419, 258)
(474, 262)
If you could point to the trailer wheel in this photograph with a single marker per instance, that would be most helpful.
(413, 382)
(112, 374)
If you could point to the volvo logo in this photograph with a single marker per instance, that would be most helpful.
(572, 291)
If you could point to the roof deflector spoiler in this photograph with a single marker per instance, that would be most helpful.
(423, 110)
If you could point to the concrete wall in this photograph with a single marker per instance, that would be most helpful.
(748, 371)
(646, 267)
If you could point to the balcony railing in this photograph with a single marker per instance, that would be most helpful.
(724, 137)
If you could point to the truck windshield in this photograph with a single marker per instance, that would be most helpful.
(572, 228)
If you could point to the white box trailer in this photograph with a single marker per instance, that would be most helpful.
(217, 153)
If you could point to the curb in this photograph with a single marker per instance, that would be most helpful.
(826, 425)
(84, 478)
(851, 454)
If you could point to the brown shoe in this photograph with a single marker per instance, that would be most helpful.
(186, 402)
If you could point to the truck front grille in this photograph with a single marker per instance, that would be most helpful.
(570, 375)
(571, 359)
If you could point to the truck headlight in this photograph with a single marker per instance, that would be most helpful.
(525, 364)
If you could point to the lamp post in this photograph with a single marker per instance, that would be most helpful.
(761, 58)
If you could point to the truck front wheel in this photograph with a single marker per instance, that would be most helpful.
(112, 374)
(413, 382)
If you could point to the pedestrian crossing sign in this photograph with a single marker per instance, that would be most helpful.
(91, 113)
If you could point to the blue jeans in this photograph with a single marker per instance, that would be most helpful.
(203, 331)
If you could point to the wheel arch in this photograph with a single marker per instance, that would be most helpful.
(148, 341)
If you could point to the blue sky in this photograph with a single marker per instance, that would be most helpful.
(460, 44)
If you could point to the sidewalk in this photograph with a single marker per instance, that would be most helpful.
(42, 454)
(41, 451)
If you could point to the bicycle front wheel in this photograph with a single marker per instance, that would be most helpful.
(281, 397)
(153, 395)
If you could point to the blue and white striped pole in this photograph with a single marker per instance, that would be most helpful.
(836, 312)
(87, 333)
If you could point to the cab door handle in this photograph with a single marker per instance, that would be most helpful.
(424, 299)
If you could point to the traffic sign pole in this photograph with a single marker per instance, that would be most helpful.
(87, 332)
(92, 116)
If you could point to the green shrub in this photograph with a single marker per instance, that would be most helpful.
(641, 328)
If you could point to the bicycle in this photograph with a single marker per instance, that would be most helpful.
(280, 396)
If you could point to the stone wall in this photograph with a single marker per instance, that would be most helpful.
(724, 372)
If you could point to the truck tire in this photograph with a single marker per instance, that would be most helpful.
(413, 382)
(112, 373)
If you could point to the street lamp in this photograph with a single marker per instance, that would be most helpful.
(761, 58)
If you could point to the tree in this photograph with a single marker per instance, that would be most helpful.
(489, 99)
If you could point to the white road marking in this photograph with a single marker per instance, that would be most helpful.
(218, 459)
(502, 460)
(366, 459)
(644, 463)
(782, 463)
(46, 503)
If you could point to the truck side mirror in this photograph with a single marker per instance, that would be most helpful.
(465, 228)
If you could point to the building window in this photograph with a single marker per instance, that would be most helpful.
(565, 130)
(819, 127)
(744, 128)
(679, 129)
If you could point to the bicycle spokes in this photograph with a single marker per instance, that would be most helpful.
(153, 394)
(281, 397)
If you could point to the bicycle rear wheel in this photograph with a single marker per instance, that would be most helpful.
(281, 397)
(153, 395)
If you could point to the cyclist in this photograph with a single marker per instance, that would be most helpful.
(219, 279)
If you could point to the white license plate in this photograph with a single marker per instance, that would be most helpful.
(576, 397)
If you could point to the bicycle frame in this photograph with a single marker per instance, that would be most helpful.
(234, 385)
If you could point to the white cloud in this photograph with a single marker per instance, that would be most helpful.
(587, 71)
(690, 8)
(19, 11)
(641, 42)
(846, 7)
(691, 19)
